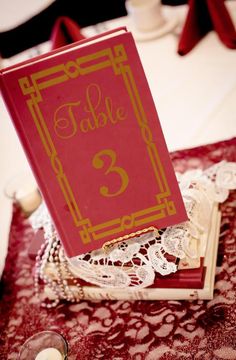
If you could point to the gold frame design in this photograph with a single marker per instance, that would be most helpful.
(116, 58)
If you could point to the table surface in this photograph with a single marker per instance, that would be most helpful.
(195, 96)
(129, 330)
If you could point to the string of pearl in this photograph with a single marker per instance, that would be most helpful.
(52, 252)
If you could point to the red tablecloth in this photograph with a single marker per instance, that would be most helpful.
(122, 330)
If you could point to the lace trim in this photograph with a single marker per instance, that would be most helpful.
(133, 263)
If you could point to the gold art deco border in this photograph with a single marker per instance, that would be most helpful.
(116, 58)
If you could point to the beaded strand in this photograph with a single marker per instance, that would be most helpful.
(52, 252)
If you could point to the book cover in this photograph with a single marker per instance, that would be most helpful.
(89, 127)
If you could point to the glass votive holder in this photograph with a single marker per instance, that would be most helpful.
(44, 345)
(22, 189)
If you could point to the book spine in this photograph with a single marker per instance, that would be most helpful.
(97, 293)
(35, 167)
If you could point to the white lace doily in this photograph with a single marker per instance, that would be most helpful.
(133, 263)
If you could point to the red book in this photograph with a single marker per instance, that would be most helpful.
(189, 278)
(87, 121)
(182, 279)
(186, 278)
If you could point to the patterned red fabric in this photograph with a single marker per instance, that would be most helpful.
(122, 330)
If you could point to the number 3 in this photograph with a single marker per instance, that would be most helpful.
(98, 163)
